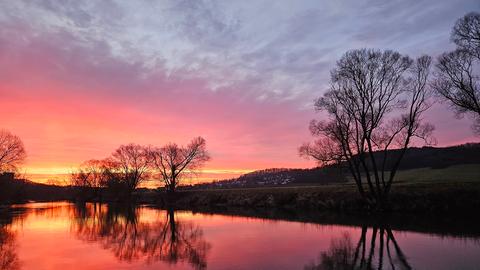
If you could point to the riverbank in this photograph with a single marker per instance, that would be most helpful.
(431, 198)
(426, 197)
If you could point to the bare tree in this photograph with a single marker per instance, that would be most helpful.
(93, 175)
(466, 33)
(374, 104)
(457, 77)
(172, 161)
(12, 151)
(90, 174)
(130, 164)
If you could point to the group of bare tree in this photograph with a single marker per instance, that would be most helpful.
(131, 165)
(125, 169)
(376, 102)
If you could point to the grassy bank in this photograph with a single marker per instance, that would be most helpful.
(438, 198)
(465, 173)
(454, 189)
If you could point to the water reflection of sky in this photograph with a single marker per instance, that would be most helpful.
(62, 236)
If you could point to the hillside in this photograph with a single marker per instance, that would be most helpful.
(20, 190)
(281, 176)
(428, 159)
(438, 157)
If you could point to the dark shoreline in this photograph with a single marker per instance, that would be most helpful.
(421, 198)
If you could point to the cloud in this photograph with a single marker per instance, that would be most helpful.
(278, 49)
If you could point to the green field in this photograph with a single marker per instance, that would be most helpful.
(465, 173)
(452, 174)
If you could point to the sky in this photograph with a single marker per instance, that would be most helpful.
(80, 78)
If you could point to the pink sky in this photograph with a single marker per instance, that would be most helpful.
(78, 81)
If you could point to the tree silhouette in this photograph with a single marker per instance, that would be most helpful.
(92, 176)
(457, 77)
(12, 151)
(173, 162)
(375, 103)
(129, 166)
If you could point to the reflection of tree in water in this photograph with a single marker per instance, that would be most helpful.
(380, 251)
(8, 248)
(120, 231)
(8, 253)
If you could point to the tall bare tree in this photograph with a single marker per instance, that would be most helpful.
(130, 163)
(374, 104)
(457, 76)
(12, 151)
(173, 162)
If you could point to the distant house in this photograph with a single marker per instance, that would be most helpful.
(7, 176)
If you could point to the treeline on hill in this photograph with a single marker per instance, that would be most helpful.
(21, 191)
(415, 158)
(281, 176)
(438, 158)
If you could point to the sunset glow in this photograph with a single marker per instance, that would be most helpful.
(77, 80)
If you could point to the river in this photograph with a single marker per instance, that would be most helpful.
(65, 236)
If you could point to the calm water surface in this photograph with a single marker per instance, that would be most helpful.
(65, 236)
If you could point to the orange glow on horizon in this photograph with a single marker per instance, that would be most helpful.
(61, 134)
(61, 175)
(68, 170)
